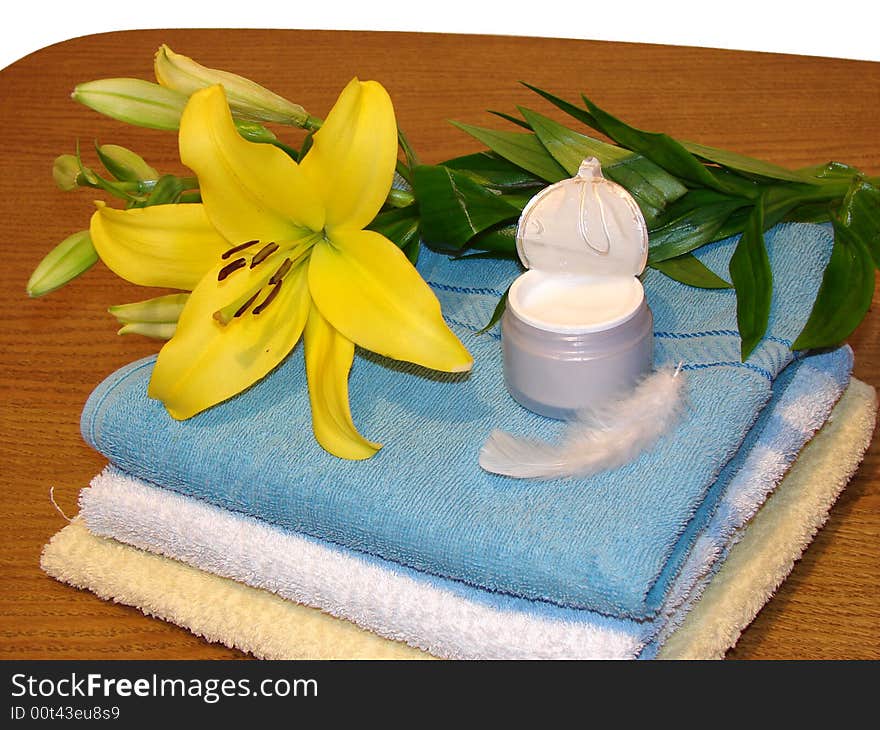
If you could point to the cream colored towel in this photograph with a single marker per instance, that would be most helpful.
(267, 626)
(218, 609)
(780, 532)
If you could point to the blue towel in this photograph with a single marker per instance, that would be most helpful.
(612, 543)
(446, 617)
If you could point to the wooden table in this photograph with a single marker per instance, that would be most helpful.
(792, 110)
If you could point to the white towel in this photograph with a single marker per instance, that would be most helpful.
(256, 621)
(437, 615)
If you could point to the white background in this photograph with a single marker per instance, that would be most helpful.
(844, 29)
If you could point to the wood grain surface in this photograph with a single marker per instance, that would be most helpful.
(792, 110)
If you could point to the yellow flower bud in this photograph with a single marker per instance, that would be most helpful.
(156, 330)
(145, 104)
(159, 310)
(70, 258)
(124, 164)
(66, 172)
(247, 100)
(133, 101)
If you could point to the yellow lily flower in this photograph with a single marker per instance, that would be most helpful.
(276, 251)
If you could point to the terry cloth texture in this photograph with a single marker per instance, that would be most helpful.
(217, 609)
(780, 532)
(447, 618)
(612, 543)
(263, 624)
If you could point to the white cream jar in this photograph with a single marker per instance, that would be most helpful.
(577, 329)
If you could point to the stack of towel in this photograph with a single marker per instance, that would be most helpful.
(235, 522)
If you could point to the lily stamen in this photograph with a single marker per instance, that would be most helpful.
(239, 306)
(244, 307)
(264, 253)
(268, 300)
(241, 247)
(282, 271)
(229, 268)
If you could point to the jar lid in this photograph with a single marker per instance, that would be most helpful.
(585, 225)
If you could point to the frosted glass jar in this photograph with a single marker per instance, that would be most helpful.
(577, 329)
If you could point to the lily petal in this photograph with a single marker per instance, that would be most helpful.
(206, 362)
(164, 245)
(250, 190)
(328, 361)
(351, 162)
(368, 290)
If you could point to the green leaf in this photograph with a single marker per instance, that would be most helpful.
(860, 215)
(518, 200)
(848, 282)
(780, 202)
(844, 296)
(742, 163)
(582, 115)
(781, 199)
(661, 149)
(500, 240)
(497, 314)
(570, 148)
(811, 213)
(454, 208)
(646, 181)
(735, 184)
(731, 160)
(829, 170)
(694, 220)
(512, 119)
(168, 189)
(520, 148)
(399, 225)
(492, 170)
(651, 186)
(753, 280)
(688, 269)
(494, 255)
(736, 223)
(412, 159)
(412, 249)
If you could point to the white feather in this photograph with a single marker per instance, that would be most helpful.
(598, 439)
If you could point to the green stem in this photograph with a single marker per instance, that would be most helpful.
(147, 186)
(312, 124)
(412, 159)
(287, 149)
(780, 199)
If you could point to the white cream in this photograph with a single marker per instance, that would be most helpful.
(574, 304)
(578, 329)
